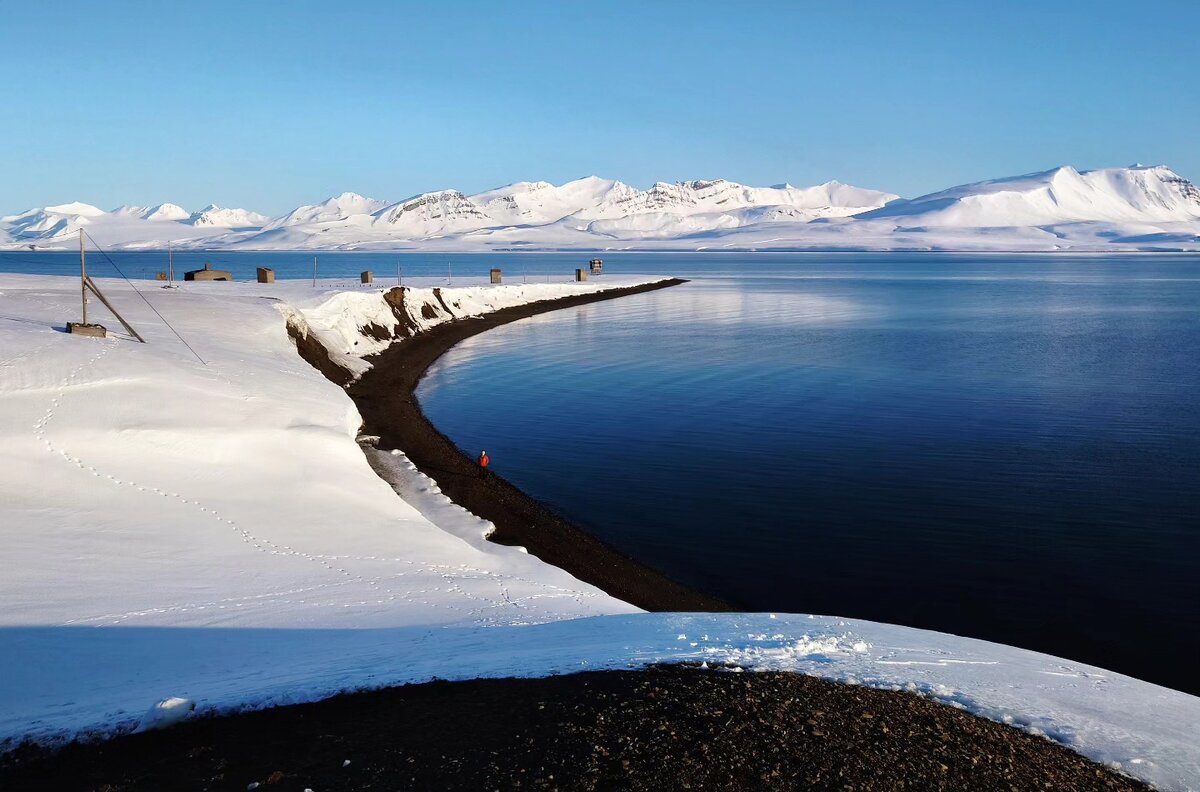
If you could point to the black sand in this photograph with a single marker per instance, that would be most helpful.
(663, 729)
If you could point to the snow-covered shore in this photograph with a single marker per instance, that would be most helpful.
(212, 531)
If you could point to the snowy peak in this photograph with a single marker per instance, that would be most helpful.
(168, 211)
(433, 214)
(1152, 189)
(681, 207)
(74, 208)
(596, 199)
(536, 203)
(164, 211)
(51, 221)
(217, 217)
(1064, 194)
(337, 209)
(686, 195)
(351, 203)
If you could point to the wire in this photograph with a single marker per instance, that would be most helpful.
(139, 294)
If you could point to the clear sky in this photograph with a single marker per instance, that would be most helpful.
(268, 105)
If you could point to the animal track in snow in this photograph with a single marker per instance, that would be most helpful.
(382, 588)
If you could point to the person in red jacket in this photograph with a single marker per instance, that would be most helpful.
(483, 463)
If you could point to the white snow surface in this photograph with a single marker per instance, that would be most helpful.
(1124, 209)
(219, 217)
(177, 533)
(166, 211)
(337, 321)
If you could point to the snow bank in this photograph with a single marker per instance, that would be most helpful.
(177, 532)
(141, 487)
(354, 325)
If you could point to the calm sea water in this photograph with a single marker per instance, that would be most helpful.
(994, 446)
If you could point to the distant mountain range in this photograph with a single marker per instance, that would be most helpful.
(1134, 208)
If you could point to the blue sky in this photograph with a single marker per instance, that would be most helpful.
(271, 104)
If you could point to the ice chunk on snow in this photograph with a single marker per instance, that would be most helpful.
(166, 712)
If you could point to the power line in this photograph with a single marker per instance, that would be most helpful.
(139, 294)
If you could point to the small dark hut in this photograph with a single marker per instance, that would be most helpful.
(208, 274)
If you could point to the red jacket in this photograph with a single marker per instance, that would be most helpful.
(483, 460)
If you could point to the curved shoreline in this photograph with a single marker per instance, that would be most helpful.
(386, 400)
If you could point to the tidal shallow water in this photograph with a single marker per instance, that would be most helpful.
(1004, 447)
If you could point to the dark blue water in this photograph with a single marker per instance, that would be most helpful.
(1001, 447)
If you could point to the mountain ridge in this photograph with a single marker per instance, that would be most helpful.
(1061, 208)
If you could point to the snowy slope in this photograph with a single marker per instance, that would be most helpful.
(128, 462)
(617, 210)
(218, 217)
(213, 531)
(538, 203)
(719, 195)
(52, 220)
(432, 214)
(1136, 208)
(166, 211)
(1063, 195)
(57, 227)
(337, 209)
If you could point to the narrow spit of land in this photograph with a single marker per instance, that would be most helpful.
(666, 728)
(385, 399)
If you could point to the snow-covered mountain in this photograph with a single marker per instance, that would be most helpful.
(538, 203)
(1139, 207)
(165, 211)
(335, 210)
(1062, 195)
(217, 217)
(433, 214)
(126, 226)
(211, 215)
(51, 221)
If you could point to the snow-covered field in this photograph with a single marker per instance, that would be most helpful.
(212, 531)
(1131, 209)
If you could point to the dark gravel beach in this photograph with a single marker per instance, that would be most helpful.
(384, 396)
(666, 728)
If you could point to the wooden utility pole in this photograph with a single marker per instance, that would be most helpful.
(83, 275)
(314, 272)
(91, 284)
(86, 284)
